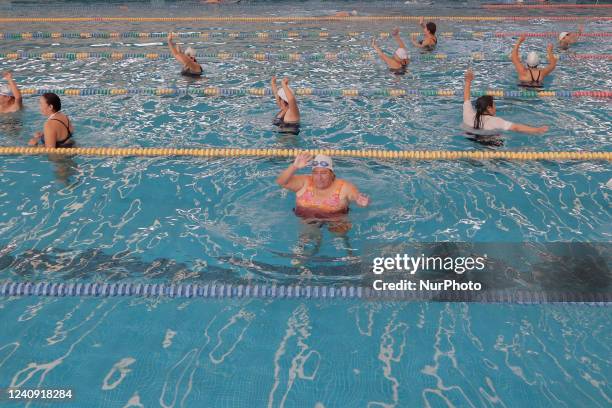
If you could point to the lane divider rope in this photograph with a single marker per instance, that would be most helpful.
(220, 290)
(375, 154)
(345, 93)
(270, 56)
(273, 34)
(259, 19)
(545, 6)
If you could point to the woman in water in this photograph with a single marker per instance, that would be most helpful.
(10, 103)
(190, 64)
(429, 32)
(288, 119)
(531, 76)
(482, 122)
(398, 62)
(566, 39)
(321, 196)
(58, 130)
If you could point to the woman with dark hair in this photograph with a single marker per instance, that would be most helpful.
(429, 42)
(58, 129)
(483, 118)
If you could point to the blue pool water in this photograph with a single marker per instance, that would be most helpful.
(179, 220)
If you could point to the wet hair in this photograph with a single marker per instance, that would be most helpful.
(53, 100)
(431, 27)
(482, 104)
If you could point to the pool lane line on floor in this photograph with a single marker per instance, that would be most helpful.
(219, 290)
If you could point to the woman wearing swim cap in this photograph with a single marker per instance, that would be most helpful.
(288, 119)
(10, 103)
(531, 76)
(429, 42)
(484, 119)
(191, 67)
(320, 195)
(400, 59)
(565, 38)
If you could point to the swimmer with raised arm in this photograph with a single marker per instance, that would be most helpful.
(566, 39)
(191, 67)
(320, 195)
(530, 76)
(429, 42)
(400, 59)
(484, 119)
(10, 96)
(288, 118)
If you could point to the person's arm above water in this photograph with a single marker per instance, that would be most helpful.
(380, 53)
(416, 43)
(49, 135)
(517, 127)
(388, 60)
(552, 61)
(13, 87)
(426, 42)
(174, 49)
(354, 195)
(289, 93)
(180, 56)
(422, 23)
(516, 58)
(397, 38)
(467, 88)
(287, 179)
(36, 138)
(275, 92)
(573, 37)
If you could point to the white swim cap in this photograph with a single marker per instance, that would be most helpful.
(533, 59)
(190, 51)
(563, 35)
(354, 13)
(283, 95)
(4, 90)
(401, 53)
(323, 162)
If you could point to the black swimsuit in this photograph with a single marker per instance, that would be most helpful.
(287, 127)
(487, 140)
(535, 83)
(398, 71)
(67, 142)
(430, 47)
(187, 72)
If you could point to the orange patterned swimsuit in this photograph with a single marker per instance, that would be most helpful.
(307, 205)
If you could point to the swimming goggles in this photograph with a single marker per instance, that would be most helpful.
(321, 163)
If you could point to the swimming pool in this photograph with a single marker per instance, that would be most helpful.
(198, 221)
